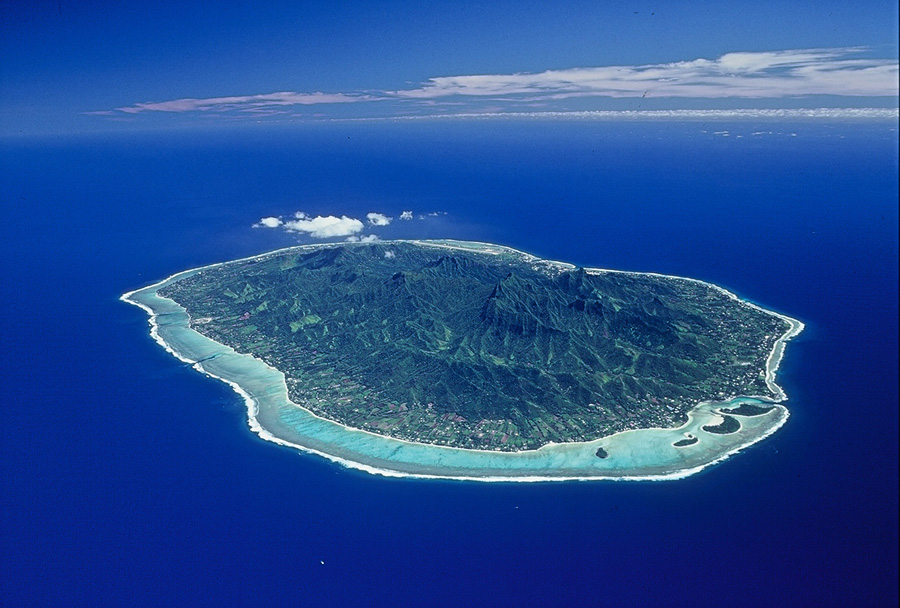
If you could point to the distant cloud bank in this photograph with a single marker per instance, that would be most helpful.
(880, 113)
(749, 75)
(246, 103)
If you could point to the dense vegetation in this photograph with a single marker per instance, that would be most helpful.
(479, 350)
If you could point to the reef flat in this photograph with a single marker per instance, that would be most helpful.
(472, 360)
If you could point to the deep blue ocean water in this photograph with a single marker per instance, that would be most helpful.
(127, 478)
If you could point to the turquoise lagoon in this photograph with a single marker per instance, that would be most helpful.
(639, 454)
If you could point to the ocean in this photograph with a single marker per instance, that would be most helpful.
(128, 478)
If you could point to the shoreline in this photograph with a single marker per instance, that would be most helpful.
(563, 450)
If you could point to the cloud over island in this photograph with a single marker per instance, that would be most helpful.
(319, 227)
(331, 226)
(843, 72)
(378, 219)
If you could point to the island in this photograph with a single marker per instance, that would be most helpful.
(477, 361)
(688, 440)
(747, 409)
(726, 426)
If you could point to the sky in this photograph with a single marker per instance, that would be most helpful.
(111, 66)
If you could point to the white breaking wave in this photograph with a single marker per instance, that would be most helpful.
(553, 456)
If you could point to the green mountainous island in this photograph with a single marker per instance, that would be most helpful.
(479, 346)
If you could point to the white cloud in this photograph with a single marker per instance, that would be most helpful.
(243, 102)
(369, 238)
(750, 75)
(389, 254)
(324, 227)
(269, 222)
(378, 219)
(406, 215)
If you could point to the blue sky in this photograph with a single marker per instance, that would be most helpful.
(70, 67)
